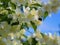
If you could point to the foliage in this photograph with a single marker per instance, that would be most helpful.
(17, 15)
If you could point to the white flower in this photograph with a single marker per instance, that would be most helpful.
(35, 17)
(38, 35)
(11, 35)
(26, 10)
(22, 31)
(15, 43)
(33, 12)
(38, 22)
(50, 35)
(30, 1)
(30, 17)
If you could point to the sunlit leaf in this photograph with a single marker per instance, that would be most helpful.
(33, 25)
(45, 14)
(36, 4)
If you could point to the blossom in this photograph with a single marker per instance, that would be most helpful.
(11, 36)
(38, 22)
(23, 13)
(22, 31)
(50, 35)
(38, 35)
(15, 43)
(26, 10)
(33, 12)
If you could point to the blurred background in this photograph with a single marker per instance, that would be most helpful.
(50, 25)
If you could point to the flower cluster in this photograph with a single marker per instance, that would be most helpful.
(18, 15)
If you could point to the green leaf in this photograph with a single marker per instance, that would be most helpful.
(15, 23)
(36, 4)
(26, 43)
(34, 41)
(10, 11)
(25, 36)
(42, 34)
(24, 25)
(33, 25)
(13, 5)
(3, 17)
(9, 20)
(5, 0)
(33, 7)
(45, 14)
(5, 5)
(26, 5)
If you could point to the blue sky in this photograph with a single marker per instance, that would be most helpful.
(50, 24)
